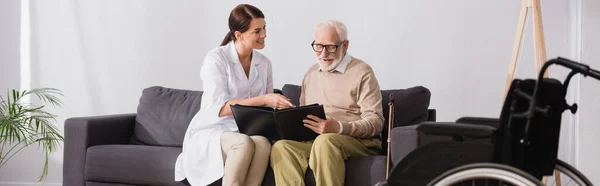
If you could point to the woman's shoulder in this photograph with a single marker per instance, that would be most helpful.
(216, 55)
(218, 51)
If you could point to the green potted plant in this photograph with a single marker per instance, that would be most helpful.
(24, 124)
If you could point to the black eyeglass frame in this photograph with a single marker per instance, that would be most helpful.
(326, 47)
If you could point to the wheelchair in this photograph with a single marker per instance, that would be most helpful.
(519, 148)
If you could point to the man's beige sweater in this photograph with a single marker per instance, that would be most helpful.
(351, 96)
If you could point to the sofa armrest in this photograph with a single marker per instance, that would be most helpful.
(405, 139)
(83, 132)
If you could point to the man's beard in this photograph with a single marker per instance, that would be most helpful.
(336, 61)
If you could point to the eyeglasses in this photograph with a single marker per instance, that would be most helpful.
(330, 48)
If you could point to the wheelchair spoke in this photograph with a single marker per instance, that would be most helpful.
(485, 174)
(569, 176)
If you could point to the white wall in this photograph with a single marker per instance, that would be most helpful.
(103, 53)
(589, 103)
(9, 45)
(10, 15)
(26, 166)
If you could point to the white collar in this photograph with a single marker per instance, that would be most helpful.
(234, 58)
(342, 66)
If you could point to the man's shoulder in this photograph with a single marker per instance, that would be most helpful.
(359, 66)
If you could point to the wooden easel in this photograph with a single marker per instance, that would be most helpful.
(539, 49)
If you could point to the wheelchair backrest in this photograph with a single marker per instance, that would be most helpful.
(530, 147)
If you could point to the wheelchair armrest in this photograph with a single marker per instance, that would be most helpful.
(493, 122)
(456, 129)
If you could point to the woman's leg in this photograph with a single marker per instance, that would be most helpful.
(260, 161)
(238, 150)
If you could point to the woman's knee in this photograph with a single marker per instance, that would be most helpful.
(261, 144)
(244, 142)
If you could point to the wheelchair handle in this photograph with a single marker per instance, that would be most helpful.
(577, 67)
(583, 69)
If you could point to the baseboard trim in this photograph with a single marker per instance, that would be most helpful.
(28, 184)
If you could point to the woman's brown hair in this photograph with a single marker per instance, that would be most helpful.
(239, 20)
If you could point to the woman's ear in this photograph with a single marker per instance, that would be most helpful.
(238, 35)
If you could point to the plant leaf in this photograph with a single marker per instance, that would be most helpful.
(28, 124)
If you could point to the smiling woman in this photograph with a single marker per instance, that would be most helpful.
(238, 24)
(234, 73)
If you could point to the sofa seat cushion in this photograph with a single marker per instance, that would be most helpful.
(367, 170)
(132, 164)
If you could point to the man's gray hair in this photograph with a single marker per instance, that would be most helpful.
(340, 28)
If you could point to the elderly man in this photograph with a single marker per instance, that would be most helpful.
(350, 94)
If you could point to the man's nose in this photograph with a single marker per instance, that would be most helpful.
(324, 53)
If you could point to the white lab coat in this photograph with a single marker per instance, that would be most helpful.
(223, 78)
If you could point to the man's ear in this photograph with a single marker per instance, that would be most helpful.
(346, 44)
(238, 35)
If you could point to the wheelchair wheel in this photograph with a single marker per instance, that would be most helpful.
(568, 175)
(485, 174)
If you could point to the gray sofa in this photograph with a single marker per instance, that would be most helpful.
(141, 148)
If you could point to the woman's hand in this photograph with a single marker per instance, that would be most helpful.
(277, 101)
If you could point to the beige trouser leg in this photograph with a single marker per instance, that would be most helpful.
(329, 152)
(260, 161)
(325, 156)
(289, 160)
(241, 153)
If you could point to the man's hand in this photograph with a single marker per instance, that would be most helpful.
(322, 126)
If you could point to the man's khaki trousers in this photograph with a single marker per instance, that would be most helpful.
(325, 156)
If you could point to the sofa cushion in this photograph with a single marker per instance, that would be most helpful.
(292, 92)
(410, 105)
(163, 115)
(132, 164)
